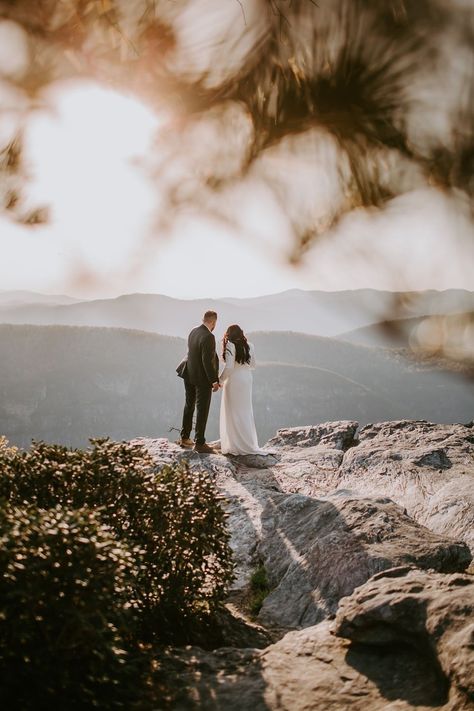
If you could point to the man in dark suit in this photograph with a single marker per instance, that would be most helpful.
(201, 379)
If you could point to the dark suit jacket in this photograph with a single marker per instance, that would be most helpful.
(203, 363)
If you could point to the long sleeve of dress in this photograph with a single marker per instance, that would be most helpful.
(252, 363)
(229, 362)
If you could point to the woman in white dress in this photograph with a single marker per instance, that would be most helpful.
(237, 426)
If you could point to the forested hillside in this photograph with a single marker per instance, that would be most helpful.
(66, 384)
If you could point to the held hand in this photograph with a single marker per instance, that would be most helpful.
(215, 387)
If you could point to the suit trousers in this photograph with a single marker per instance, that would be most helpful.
(199, 397)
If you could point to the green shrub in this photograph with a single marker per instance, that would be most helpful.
(259, 588)
(64, 612)
(6, 449)
(172, 514)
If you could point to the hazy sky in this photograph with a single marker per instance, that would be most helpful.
(86, 159)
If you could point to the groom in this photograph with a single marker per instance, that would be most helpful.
(201, 379)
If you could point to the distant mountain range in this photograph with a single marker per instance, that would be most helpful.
(65, 384)
(313, 312)
(21, 298)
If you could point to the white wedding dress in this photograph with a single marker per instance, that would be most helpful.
(237, 425)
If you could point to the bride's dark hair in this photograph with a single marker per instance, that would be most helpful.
(235, 335)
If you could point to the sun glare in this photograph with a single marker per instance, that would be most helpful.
(83, 151)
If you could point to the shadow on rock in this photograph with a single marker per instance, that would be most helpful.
(400, 672)
(317, 551)
(430, 617)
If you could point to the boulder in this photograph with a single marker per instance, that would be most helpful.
(400, 642)
(307, 670)
(431, 612)
(316, 551)
(309, 457)
(332, 435)
(427, 468)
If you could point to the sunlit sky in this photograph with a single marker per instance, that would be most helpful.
(86, 156)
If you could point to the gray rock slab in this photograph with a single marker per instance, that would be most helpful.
(431, 612)
(316, 551)
(427, 468)
(339, 435)
(307, 670)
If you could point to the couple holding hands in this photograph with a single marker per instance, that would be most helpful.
(200, 371)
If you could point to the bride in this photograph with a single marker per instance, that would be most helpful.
(237, 426)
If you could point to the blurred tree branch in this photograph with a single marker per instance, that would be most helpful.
(375, 97)
(355, 68)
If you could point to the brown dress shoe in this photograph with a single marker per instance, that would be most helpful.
(188, 443)
(204, 449)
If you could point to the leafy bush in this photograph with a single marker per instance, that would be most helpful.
(64, 589)
(259, 588)
(6, 450)
(172, 514)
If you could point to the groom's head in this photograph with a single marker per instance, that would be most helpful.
(209, 319)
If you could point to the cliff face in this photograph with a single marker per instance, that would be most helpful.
(364, 536)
